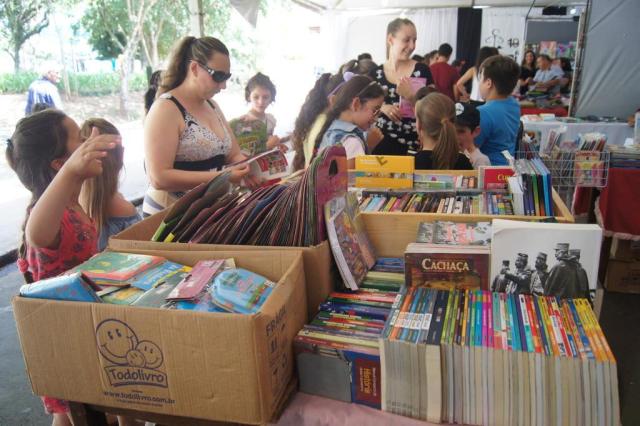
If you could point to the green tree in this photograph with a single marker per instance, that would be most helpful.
(122, 23)
(166, 22)
(19, 21)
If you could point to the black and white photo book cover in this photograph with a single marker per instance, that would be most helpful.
(551, 259)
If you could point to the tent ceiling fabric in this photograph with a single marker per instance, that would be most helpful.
(355, 5)
(248, 9)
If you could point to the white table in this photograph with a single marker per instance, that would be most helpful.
(616, 133)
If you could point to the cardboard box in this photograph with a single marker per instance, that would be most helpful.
(623, 277)
(225, 367)
(628, 250)
(318, 260)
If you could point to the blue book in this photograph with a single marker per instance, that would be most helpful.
(202, 303)
(354, 309)
(240, 291)
(77, 287)
(154, 276)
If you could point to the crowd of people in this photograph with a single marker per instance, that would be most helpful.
(408, 105)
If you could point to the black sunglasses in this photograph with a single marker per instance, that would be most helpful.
(217, 76)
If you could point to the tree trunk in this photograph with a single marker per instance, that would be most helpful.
(16, 58)
(155, 60)
(124, 83)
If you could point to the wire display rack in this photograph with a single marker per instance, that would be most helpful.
(572, 169)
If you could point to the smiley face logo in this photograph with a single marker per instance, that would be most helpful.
(116, 340)
(135, 358)
(151, 352)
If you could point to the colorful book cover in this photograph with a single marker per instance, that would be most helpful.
(156, 296)
(240, 291)
(76, 287)
(113, 268)
(251, 135)
(196, 282)
(407, 109)
(434, 181)
(365, 378)
(125, 296)
(455, 233)
(202, 303)
(151, 277)
(549, 48)
(346, 243)
(495, 177)
(447, 268)
(384, 171)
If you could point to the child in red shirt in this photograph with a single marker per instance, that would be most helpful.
(51, 161)
(444, 75)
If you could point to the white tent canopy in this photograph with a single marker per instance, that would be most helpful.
(378, 5)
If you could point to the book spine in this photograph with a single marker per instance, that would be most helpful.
(549, 331)
(586, 344)
(526, 322)
(555, 327)
(497, 323)
(535, 325)
(560, 328)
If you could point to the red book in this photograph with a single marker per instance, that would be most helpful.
(494, 177)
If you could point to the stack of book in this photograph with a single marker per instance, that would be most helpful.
(152, 281)
(477, 357)
(443, 182)
(337, 353)
(287, 214)
(431, 202)
(531, 188)
(627, 157)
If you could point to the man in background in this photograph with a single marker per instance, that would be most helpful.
(547, 78)
(44, 91)
(444, 75)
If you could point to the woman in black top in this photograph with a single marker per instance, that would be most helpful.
(527, 70)
(435, 117)
(400, 137)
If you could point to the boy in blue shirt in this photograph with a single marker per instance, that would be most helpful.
(500, 116)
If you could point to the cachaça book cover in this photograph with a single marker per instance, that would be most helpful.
(447, 267)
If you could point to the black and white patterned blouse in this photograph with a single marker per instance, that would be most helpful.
(399, 139)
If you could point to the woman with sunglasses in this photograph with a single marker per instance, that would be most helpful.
(187, 139)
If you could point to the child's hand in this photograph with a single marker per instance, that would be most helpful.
(392, 112)
(85, 161)
(374, 137)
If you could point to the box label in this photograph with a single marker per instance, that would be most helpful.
(134, 361)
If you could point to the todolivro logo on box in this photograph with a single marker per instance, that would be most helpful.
(135, 361)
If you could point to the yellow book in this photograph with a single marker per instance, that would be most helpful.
(384, 171)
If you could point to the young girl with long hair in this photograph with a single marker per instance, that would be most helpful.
(311, 118)
(52, 162)
(353, 112)
(99, 196)
(436, 114)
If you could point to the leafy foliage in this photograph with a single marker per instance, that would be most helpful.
(19, 21)
(97, 84)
